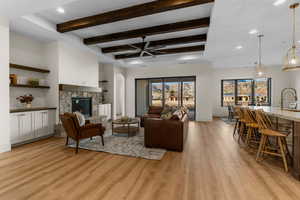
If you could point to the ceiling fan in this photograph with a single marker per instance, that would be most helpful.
(146, 49)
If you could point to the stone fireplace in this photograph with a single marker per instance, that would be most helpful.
(69, 94)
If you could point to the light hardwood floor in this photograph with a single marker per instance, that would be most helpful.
(212, 167)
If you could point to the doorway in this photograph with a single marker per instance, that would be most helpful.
(119, 103)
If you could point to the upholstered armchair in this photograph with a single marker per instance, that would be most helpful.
(76, 132)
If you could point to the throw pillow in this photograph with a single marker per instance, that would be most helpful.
(166, 110)
(178, 113)
(80, 118)
(166, 116)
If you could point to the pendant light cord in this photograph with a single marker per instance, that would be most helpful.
(294, 26)
(259, 49)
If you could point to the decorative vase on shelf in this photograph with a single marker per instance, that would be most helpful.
(28, 105)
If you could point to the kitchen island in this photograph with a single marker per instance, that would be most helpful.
(294, 117)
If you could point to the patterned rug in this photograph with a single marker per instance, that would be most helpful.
(122, 145)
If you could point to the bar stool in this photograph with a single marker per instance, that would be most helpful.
(242, 125)
(265, 147)
(237, 119)
(252, 128)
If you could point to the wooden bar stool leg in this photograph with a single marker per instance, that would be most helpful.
(266, 139)
(241, 132)
(235, 127)
(283, 154)
(249, 135)
(287, 149)
(261, 144)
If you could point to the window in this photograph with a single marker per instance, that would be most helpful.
(228, 92)
(246, 91)
(156, 89)
(170, 91)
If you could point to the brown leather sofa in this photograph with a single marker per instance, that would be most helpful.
(167, 134)
(77, 133)
(153, 112)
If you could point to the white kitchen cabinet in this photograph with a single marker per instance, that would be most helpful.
(27, 126)
(21, 127)
(41, 123)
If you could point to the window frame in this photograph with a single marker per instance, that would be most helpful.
(253, 100)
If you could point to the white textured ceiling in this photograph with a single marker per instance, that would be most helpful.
(233, 19)
(92, 7)
(230, 23)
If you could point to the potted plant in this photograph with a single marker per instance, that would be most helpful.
(26, 99)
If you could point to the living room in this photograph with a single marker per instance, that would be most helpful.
(149, 99)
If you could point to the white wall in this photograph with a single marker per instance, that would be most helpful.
(52, 96)
(26, 51)
(203, 75)
(77, 66)
(4, 86)
(119, 91)
(29, 52)
(296, 82)
(280, 80)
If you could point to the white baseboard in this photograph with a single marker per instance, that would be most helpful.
(5, 148)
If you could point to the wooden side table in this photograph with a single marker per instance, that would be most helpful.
(130, 127)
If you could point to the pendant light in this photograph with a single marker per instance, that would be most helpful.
(259, 70)
(292, 59)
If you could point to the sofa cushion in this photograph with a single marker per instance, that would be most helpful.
(155, 110)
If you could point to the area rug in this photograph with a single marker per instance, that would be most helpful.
(122, 145)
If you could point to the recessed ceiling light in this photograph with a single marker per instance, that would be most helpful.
(299, 41)
(189, 57)
(279, 2)
(239, 47)
(253, 31)
(60, 10)
(135, 62)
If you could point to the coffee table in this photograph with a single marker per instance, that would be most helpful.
(130, 127)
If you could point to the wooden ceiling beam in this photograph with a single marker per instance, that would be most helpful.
(155, 30)
(158, 43)
(164, 52)
(140, 10)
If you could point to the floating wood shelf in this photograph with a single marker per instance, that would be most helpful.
(26, 68)
(30, 86)
(104, 81)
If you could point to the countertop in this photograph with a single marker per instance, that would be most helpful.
(278, 112)
(17, 110)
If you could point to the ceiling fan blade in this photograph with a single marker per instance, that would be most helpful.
(134, 47)
(147, 52)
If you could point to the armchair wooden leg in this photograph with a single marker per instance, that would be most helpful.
(77, 145)
(67, 141)
(102, 139)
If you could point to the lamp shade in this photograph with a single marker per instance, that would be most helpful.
(292, 59)
(260, 71)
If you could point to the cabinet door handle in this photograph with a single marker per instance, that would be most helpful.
(21, 115)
